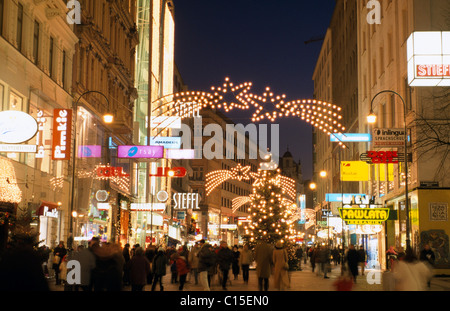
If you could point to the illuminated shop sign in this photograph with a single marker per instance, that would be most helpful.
(108, 172)
(166, 122)
(186, 201)
(40, 143)
(177, 172)
(17, 127)
(178, 154)
(429, 58)
(348, 197)
(62, 133)
(349, 137)
(140, 152)
(166, 142)
(379, 157)
(364, 216)
(18, 148)
(388, 137)
(89, 151)
(354, 171)
(148, 207)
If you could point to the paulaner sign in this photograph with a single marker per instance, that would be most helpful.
(364, 216)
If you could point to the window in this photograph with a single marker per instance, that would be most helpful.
(36, 42)
(50, 57)
(64, 63)
(2, 5)
(19, 26)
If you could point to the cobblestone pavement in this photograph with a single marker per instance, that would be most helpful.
(304, 280)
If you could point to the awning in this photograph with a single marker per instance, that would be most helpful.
(45, 204)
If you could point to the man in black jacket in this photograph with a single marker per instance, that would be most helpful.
(206, 262)
(352, 261)
(224, 260)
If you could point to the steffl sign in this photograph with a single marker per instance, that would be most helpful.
(429, 58)
(184, 201)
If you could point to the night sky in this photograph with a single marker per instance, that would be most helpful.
(256, 41)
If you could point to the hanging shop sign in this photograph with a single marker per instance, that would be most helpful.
(89, 151)
(62, 133)
(350, 137)
(109, 172)
(428, 55)
(148, 207)
(364, 216)
(177, 172)
(388, 138)
(140, 152)
(186, 201)
(382, 157)
(166, 142)
(354, 171)
(179, 154)
(17, 127)
(166, 122)
(18, 148)
(40, 143)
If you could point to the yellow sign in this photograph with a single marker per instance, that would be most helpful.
(364, 216)
(355, 171)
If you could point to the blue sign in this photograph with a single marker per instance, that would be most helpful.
(337, 197)
(348, 137)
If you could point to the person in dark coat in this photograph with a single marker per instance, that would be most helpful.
(60, 251)
(139, 268)
(264, 264)
(362, 258)
(159, 268)
(126, 272)
(206, 263)
(235, 263)
(352, 261)
(224, 259)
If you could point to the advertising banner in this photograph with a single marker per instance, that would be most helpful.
(355, 171)
(140, 152)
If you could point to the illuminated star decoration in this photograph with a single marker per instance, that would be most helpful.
(322, 115)
(215, 178)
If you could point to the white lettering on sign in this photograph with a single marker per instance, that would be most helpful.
(62, 126)
(40, 135)
(433, 70)
(186, 201)
(53, 213)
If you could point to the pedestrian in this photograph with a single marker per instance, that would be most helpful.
(336, 255)
(235, 263)
(324, 260)
(150, 253)
(206, 262)
(362, 255)
(224, 259)
(391, 255)
(193, 262)
(411, 274)
(182, 267)
(400, 253)
(173, 268)
(427, 256)
(281, 267)
(59, 252)
(245, 260)
(318, 259)
(264, 263)
(352, 259)
(159, 267)
(126, 272)
(87, 260)
(108, 273)
(63, 270)
(312, 257)
(139, 268)
(299, 255)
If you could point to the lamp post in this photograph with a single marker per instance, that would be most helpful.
(323, 175)
(372, 118)
(107, 118)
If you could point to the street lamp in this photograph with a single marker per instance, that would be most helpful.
(107, 118)
(372, 118)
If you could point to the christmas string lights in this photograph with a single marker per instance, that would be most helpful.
(215, 178)
(322, 115)
(10, 192)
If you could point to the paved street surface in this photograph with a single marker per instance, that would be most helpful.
(304, 280)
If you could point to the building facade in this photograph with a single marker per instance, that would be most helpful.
(37, 49)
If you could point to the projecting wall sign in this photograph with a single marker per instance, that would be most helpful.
(388, 137)
(178, 172)
(140, 152)
(364, 216)
(186, 201)
(17, 127)
(62, 133)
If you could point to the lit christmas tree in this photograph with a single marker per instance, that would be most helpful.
(272, 212)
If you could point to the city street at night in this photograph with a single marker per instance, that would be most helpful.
(263, 146)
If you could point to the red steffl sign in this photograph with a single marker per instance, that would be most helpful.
(62, 134)
(108, 171)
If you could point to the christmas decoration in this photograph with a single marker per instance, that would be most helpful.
(322, 115)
